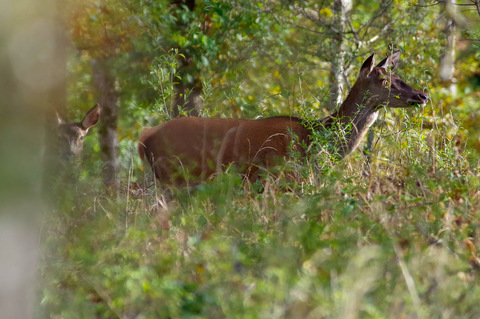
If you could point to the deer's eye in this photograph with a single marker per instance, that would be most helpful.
(82, 137)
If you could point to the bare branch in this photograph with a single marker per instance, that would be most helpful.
(477, 4)
(384, 30)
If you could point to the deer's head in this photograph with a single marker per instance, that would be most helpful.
(382, 88)
(71, 134)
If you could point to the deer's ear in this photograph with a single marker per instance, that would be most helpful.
(60, 121)
(91, 118)
(367, 66)
(391, 61)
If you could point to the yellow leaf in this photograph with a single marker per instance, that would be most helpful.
(200, 269)
(276, 90)
(326, 12)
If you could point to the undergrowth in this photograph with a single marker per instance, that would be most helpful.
(395, 238)
(388, 233)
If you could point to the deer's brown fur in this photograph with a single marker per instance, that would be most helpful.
(193, 148)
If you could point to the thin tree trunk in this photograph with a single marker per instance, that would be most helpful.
(104, 83)
(340, 10)
(188, 98)
(187, 92)
(447, 62)
(28, 68)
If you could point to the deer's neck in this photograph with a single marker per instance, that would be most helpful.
(354, 117)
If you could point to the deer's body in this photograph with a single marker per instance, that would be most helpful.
(193, 148)
(209, 144)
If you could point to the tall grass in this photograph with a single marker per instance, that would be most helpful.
(388, 233)
(393, 239)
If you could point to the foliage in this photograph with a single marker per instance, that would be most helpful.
(391, 234)
(397, 240)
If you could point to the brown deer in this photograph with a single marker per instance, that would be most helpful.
(71, 135)
(192, 149)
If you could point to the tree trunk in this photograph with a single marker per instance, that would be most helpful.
(104, 83)
(28, 66)
(340, 10)
(447, 62)
(188, 91)
(188, 98)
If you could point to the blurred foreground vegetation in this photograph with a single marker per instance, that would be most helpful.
(400, 242)
(391, 232)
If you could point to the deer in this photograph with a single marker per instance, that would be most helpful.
(189, 150)
(71, 134)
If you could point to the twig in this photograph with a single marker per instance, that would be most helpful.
(408, 280)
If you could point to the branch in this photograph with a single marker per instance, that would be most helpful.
(279, 20)
(375, 38)
(477, 4)
(383, 8)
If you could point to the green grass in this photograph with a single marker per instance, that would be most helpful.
(395, 241)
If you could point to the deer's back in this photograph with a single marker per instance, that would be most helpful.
(202, 146)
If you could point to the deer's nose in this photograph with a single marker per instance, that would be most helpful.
(423, 96)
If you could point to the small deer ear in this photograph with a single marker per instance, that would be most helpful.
(391, 61)
(60, 121)
(92, 117)
(367, 66)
